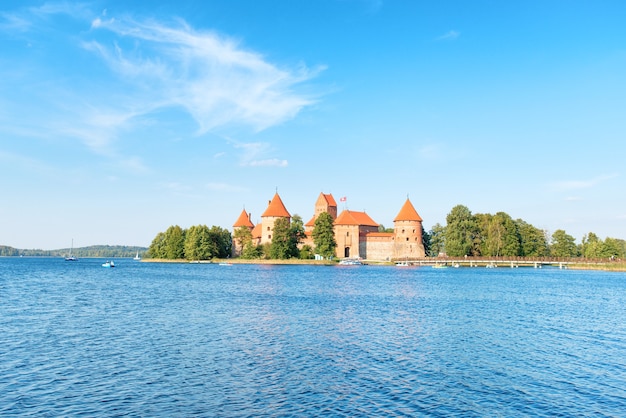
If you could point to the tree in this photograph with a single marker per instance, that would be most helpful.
(324, 235)
(174, 243)
(437, 240)
(222, 241)
(242, 237)
(296, 235)
(461, 232)
(611, 248)
(563, 245)
(425, 241)
(281, 240)
(157, 247)
(199, 244)
(591, 246)
(532, 240)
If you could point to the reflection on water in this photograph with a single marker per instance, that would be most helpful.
(201, 340)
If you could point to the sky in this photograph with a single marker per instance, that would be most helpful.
(120, 119)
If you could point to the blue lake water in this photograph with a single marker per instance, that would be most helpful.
(147, 339)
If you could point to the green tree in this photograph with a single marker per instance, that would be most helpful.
(280, 248)
(306, 253)
(461, 232)
(198, 243)
(324, 235)
(222, 242)
(563, 245)
(174, 243)
(243, 237)
(533, 240)
(437, 236)
(425, 241)
(591, 246)
(157, 248)
(296, 235)
(611, 248)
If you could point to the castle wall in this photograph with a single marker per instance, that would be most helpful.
(378, 246)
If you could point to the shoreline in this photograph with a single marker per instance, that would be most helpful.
(609, 266)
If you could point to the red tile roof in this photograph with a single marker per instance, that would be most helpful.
(257, 231)
(276, 209)
(330, 199)
(243, 220)
(408, 213)
(350, 217)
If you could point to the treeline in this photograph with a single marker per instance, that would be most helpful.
(203, 243)
(104, 251)
(499, 235)
(195, 243)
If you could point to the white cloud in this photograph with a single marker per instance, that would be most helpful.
(254, 155)
(212, 77)
(146, 68)
(449, 36)
(274, 162)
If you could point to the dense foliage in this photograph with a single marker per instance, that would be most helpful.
(286, 237)
(324, 235)
(499, 235)
(196, 243)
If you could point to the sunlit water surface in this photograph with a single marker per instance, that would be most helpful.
(147, 339)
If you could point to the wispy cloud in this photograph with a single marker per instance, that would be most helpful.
(449, 36)
(147, 66)
(254, 154)
(581, 184)
(211, 76)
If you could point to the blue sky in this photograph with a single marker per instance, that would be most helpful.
(119, 119)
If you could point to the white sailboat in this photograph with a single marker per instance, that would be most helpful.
(137, 257)
(70, 257)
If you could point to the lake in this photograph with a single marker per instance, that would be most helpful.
(147, 339)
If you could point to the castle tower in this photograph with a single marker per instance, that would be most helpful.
(407, 229)
(243, 221)
(275, 209)
(324, 203)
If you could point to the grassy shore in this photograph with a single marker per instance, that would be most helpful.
(609, 266)
(243, 261)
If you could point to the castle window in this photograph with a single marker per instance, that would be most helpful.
(407, 238)
(269, 237)
(268, 228)
(414, 231)
(347, 233)
(403, 231)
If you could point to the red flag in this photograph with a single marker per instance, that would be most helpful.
(343, 199)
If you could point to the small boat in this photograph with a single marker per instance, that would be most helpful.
(440, 266)
(350, 262)
(70, 257)
(225, 264)
(137, 258)
(108, 264)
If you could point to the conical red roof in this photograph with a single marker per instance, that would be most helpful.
(243, 220)
(276, 209)
(408, 213)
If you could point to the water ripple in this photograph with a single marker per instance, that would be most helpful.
(200, 340)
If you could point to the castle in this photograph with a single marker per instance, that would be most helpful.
(356, 233)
